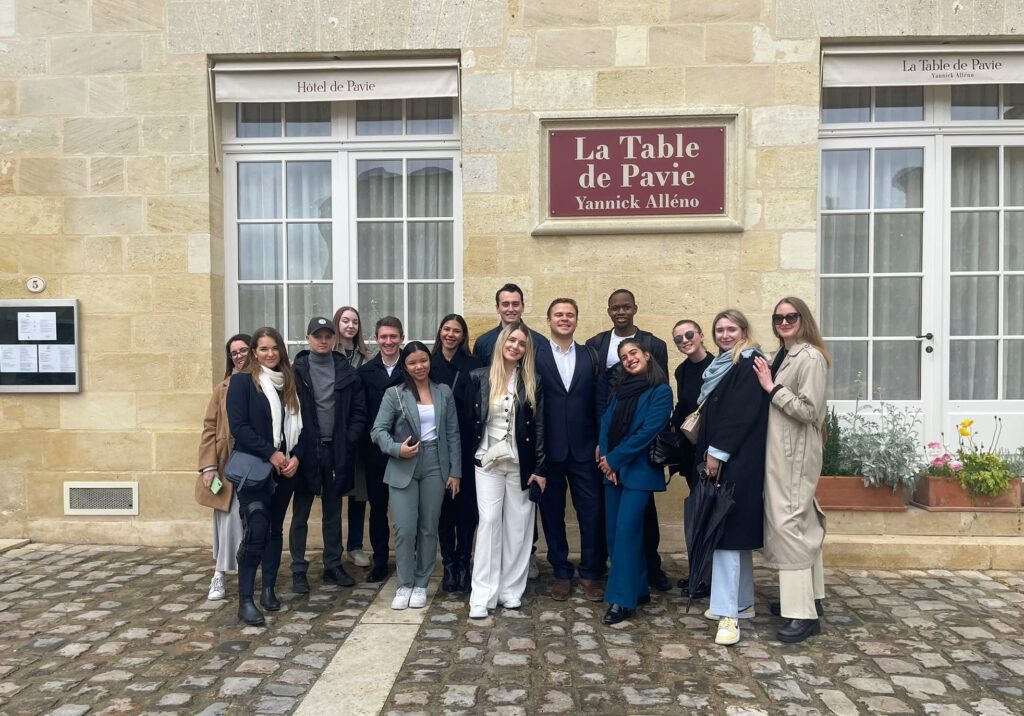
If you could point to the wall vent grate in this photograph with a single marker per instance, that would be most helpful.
(101, 498)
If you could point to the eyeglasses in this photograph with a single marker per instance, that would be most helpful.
(240, 353)
(688, 336)
(789, 318)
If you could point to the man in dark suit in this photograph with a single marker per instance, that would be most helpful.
(569, 371)
(510, 304)
(378, 374)
(622, 309)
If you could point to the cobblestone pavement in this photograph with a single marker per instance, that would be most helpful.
(112, 630)
(915, 642)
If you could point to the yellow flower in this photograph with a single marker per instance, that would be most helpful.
(965, 432)
(967, 423)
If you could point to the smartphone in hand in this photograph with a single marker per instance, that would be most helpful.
(216, 485)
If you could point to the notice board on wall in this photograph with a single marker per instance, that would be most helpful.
(39, 346)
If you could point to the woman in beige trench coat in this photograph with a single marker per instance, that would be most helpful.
(794, 525)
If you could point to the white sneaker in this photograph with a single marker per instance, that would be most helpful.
(728, 631)
(477, 611)
(511, 603)
(402, 597)
(358, 557)
(216, 588)
(746, 613)
(418, 600)
(534, 569)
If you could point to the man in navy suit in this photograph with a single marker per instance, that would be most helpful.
(569, 372)
(510, 304)
(622, 309)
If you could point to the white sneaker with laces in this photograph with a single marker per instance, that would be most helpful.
(358, 557)
(418, 600)
(534, 569)
(745, 613)
(216, 588)
(728, 631)
(402, 597)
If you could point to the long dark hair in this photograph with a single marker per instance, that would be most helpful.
(410, 348)
(464, 346)
(654, 375)
(227, 351)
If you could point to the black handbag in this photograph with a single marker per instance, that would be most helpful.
(245, 470)
(667, 448)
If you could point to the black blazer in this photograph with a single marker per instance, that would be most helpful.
(252, 425)
(570, 418)
(376, 381)
(610, 376)
(529, 424)
(484, 346)
(455, 375)
(349, 422)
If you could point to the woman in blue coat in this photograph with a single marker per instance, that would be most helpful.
(639, 409)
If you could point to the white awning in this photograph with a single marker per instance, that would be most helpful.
(334, 80)
(911, 65)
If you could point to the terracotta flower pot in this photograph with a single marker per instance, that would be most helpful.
(850, 493)
(942, 494)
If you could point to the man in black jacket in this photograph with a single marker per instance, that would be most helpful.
(334, 419)
(622, 309)
(378, 374)
(509, 304)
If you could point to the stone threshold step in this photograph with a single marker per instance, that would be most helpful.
(924, 552)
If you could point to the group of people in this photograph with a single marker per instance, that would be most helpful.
(466, 447)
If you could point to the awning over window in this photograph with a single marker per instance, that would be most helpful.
(334, 80)
(909, 65)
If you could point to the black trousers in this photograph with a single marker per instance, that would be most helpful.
(377, 492)
(459, 518)
(262, 510)
(585, 482)
(331, 507)
(652, 539)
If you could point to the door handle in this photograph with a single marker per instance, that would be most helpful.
(927, 336)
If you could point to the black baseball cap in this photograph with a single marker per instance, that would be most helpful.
(320, 324)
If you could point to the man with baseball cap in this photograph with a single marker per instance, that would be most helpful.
(337, 419)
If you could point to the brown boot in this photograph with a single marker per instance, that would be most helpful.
(592, 590)
(561, 590)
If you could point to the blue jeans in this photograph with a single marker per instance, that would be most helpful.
(732, 581)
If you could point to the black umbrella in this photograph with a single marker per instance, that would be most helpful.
(704, 512)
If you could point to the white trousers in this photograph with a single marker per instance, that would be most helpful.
(504, 537)
(798, 588)
(732, 581)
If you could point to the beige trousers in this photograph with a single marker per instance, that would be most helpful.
(798, 588)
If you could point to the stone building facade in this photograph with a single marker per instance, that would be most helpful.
(113, 188)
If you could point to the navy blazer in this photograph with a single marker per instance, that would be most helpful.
(484, 346)
(252, 425)
(376, 381)
(610, 376)
(570, 416)
(629, 458)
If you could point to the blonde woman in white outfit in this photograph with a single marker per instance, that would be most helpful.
(510, 470)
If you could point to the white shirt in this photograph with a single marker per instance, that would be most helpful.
(565, 362)
(428, 423)
(389, 368)
(613, 349)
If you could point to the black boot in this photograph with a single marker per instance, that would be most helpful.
(796, 630)
(248, 612)
(269, 600)
(465, 576)
(450, 578)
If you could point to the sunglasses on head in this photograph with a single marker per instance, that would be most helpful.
(688, 336)
(790, 318)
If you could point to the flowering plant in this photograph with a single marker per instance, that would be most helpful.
(980, 470)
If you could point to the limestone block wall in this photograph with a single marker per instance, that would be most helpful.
(108, 189)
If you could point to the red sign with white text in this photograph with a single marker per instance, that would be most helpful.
(637, 172)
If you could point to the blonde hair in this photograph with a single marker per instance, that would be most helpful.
(807, 330)
(526, 370)
(747, 341)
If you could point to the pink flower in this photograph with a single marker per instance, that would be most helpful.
(934, 445)
(938, 462)
(956, 465)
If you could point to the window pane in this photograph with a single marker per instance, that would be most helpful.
(898, 243)
(1013, 239)
(844, 306)
(844, 179)
(898, 178)
(845, 104)
(307, 119)
(378, 116)
(431, 249)
(1013, 101)
(847, 380)
(428, 303)
(1013, 319)
(309, 251)
(974, 305)
(379, 250)
(258, 120)
(259, 252)
(377, 300)
(430, 187)
(897, 309)
(305, 302)
(975, 176)
(259, 306)
(259, 190)
(899, 104)
(896, 370)
(379, 187)
(974, 102)
(972, 370)
(974, 240)
(1013, 370)
(430, 115)
(309, 190)
(1013, 175)
(844, 243)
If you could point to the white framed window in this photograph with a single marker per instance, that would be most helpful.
(342, 203)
